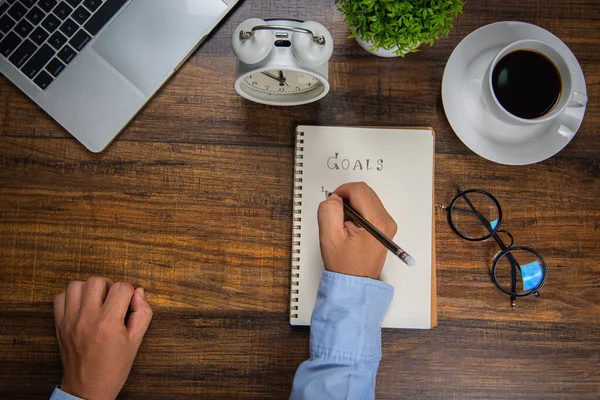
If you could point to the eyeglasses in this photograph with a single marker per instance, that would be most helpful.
(518, 271)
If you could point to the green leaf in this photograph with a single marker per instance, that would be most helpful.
(400, 24)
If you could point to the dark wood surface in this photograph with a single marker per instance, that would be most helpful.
(193, 202)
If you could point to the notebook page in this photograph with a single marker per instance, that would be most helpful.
(398, 165)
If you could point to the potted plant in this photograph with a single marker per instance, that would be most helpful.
(391, 28)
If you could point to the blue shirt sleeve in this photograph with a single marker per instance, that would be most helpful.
(345, 339)
(60, 395)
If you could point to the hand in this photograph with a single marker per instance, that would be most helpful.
(97, 346)
(271, 76)
(347, 248)
(282, 79)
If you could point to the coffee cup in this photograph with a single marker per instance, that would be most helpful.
(530, 82)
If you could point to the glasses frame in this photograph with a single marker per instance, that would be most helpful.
(505, 250)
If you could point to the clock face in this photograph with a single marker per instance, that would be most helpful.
(281, 82)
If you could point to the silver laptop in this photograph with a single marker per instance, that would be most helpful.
(93, 64)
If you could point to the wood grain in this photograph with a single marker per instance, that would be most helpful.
(193, 202)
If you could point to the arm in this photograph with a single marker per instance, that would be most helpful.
(60, 395)
(100, 326)
(345, 341)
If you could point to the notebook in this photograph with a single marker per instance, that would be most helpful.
(398, 163)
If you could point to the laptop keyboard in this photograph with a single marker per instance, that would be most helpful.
(41, 37)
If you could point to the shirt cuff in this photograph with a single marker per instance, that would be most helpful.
(60, 395)
(346, 320)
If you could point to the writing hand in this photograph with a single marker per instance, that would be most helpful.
(97, 346)
(347, 248)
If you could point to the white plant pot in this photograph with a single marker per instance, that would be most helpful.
(382, 52)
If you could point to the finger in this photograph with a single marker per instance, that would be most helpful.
(354, 229)
(361, 197)
(73, 297)
(331, 217)
(140, 316)
(118, 300)
(364, 200)
(59, 308)
(95, 291)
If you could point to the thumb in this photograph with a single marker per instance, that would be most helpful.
(140, 316)
(331, 218)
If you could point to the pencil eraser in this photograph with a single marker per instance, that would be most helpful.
(410, 261)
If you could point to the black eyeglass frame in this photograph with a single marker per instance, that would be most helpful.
(493, 233)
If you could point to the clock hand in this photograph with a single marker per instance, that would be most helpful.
(271, 76)
(282, 79)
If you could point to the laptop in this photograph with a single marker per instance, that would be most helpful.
(93, 64)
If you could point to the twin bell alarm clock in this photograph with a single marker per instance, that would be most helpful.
(282, 62)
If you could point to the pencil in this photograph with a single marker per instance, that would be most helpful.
(376, 233)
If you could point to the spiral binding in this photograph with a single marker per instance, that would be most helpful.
(297, 223)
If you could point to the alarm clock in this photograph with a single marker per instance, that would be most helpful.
(282, 62)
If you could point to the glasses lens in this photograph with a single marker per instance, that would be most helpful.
(474, 215)
(519, 271)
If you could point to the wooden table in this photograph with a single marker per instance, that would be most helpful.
(193, 202)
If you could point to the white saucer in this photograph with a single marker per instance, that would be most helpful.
(475, 126)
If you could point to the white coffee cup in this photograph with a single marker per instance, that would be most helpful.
(568, 97)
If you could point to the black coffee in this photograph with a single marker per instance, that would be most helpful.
(526, 83)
